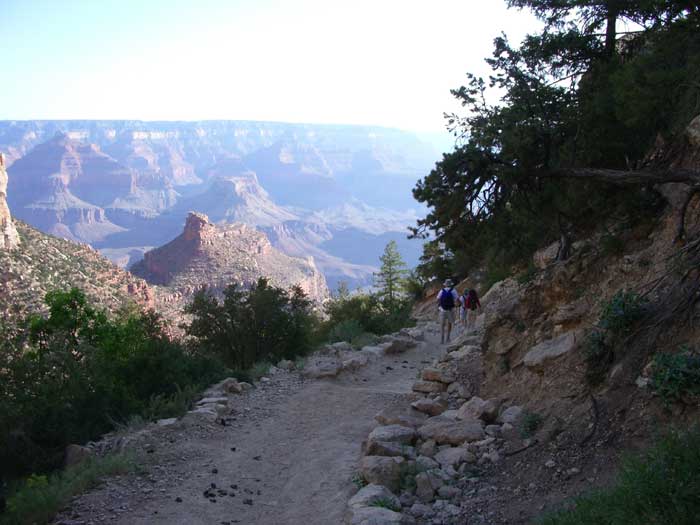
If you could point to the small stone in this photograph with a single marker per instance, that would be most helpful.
(550, 464)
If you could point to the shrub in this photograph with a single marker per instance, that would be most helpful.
(617, 318)
(69, 377)
(660, 486)
(676, 376)
(265, 323)
(346, 331)
(530, 424)
(40, 497)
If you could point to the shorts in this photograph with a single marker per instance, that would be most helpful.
(447, 315)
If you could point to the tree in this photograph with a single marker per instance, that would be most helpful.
(389, 279)
(574, 124)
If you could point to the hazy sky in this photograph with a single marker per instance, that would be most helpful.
(382, 62)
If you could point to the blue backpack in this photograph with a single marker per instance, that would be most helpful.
(447, 300)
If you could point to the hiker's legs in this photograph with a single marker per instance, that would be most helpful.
(450, 317)
(449, 330)
(443, 320)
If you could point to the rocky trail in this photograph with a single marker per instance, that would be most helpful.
(286, 452)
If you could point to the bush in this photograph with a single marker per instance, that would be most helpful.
(676, 376)
(69, 377)
(350, 317)
(617, 318)
(265, 323)
(661, 486)
(39, 497)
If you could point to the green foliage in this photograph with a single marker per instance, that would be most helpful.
(358, 314)
(576, 95)
(414, 285)
(346, 330)
(68, 377)
(676, 376)
(660, 486)
(265, 323)
(617, 318)
(385, 503)
(389, 281)
(358, 480)
(40, 497)
(530, 424)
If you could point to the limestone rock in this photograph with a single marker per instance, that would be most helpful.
(511, 415)
(377, 516)
(424, 463)
(400, 416)
(429, 387)
(546, 256)
(427, 483)
(439, 375)
(372, 494)
(429, 406)
(454, 456)
(382, 471)
(394, 433)
(549, 350)
(399, 345)
(477, 408)
(322, 368)
(447, 431)
(76, 454)
(390, 449)
(231, 385)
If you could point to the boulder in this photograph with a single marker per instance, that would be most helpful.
(439, 375)
(459, 389)
(394, 433)
(454, 457)
(373, 494)
(337, 348)
(429, 387)
(477, 408)
(399, 345)
(232, 386)
(286, 364)
(203, 413)
(413, 333)
(447, 431)
(462, 352)
(389, 449)
(429, 406)
(511, 415)
(546, 256)
(427, 448)
(76, 454)
(382, 470)
(356, 361)
(424, 463)
(400, 416)
(539, 355)
(320, 369)
(427, 483)
(213, 401)
(504, 344)
(377, 516)
(166, 422)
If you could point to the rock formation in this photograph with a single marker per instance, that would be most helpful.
(8, 233)
(215, 256)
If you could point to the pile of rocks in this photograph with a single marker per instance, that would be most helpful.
(421, 460)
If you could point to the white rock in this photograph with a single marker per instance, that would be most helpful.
(371, 494)
(395, 433)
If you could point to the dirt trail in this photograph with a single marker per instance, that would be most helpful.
(297, 446)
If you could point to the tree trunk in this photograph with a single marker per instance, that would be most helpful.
(628, 178)
(610, 27)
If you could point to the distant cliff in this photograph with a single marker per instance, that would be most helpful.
(8, 233)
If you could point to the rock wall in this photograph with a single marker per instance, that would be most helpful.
(9, 238)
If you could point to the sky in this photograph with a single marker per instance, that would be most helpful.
(378, 62)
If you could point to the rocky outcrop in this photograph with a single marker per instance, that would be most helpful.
(216, 256)
(9, 238)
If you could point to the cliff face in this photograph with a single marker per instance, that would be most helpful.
(8, 233)
(216, 256)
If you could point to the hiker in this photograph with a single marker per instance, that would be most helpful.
(463, 307)
(447, 300)
(471, 305)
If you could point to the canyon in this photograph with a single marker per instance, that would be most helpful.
(335, 193)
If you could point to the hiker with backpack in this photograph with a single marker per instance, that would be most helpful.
(470, 304)
(447, 300)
